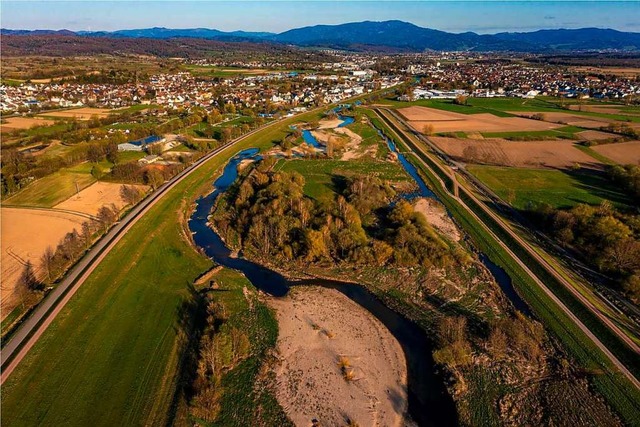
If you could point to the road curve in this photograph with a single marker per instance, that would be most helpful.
(614, 360)
(28, 333)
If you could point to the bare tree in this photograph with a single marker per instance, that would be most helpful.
(47, 262)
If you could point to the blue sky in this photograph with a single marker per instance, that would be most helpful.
(277, 16)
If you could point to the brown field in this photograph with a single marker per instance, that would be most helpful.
(446, 121)
(496, 151)
(79, 113)
(13, 123)
(26, 233)
(624, 152)
(570, 119)
(606, 109)
(92, 198)
(594, 135)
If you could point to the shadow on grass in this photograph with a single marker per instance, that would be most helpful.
(596, 183)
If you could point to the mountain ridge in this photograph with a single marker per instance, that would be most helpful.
(395, 35)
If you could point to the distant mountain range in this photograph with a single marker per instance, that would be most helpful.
(389, 35)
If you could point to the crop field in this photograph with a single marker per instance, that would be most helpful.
(546, 154)
(560, 189)
(26, 233)
(79, 113)
(13, 123)
(95, 196)
(116, 343)
(321, 176)
(594, 135)
(52, 189)
(624, 152)
(448, 121)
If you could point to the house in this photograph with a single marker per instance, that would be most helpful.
(139, 144)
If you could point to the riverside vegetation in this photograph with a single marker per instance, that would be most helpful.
(503, 367)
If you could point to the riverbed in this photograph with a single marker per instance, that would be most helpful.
(429, 403)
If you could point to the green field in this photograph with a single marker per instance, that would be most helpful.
(320, 175)
(242, 403)
(55, 188)
(111, 356)
(560, 189)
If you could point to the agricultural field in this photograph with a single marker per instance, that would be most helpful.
(54, 188)
(205, 71)
(624, 153)
(26, 233)
(97, 195)
(495, 151)
(14, 123)
(84, 113)
(104, 330)
(560, 189)
(448, 121)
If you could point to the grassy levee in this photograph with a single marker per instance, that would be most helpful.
(111, 356)
(618, 391)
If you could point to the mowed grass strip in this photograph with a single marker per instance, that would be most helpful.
(111, 356)
(560, 189)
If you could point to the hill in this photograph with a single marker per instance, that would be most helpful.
(396, 36)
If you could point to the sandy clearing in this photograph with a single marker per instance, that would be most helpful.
(26, 233)
(624, 152)
(79, 113)
(13, 123)
(321, 135)
(351, 149)
(95, 196)
(446, 121)
(316, 327)
(437, 216)
(496, 151)
(329, 124)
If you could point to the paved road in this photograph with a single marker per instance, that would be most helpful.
(616, 362)
(28, 333)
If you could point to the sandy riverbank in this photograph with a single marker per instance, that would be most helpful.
(325, 337)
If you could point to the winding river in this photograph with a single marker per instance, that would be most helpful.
(429, 402)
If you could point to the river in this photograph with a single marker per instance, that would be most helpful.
(429, 401)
